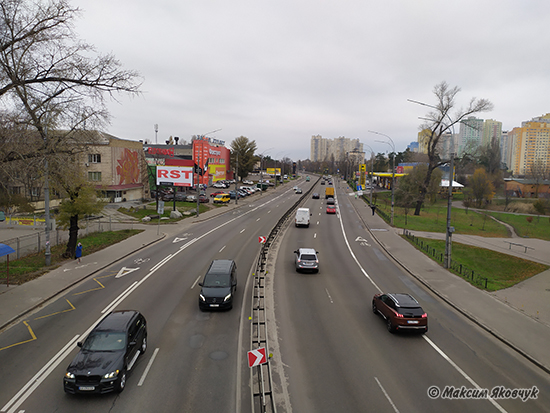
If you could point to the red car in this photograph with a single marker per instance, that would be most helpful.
(401, 312)
(213, 194)
(331, 209)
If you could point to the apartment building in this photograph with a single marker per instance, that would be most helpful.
(530, 146)
(323, 149)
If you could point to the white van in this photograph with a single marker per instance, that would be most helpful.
(302, 217)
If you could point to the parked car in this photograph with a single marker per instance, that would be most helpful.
(222, 199)
(191, 198)
(401, 312)
(306, 259)
(203, 199)
(213, 194)
(331, 209)
(219, 285)
(108, 354)
(181, 196)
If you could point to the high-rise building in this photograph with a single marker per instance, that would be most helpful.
(470, 135)
(531, 145)
(492, 129)
(323, 149)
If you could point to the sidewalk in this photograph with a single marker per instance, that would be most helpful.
(518, 316)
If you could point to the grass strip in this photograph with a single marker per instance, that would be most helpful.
(32, 266)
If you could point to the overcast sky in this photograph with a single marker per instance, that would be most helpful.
(281, 71)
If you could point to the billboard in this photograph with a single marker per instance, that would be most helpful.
(273, 171)
(175, 175)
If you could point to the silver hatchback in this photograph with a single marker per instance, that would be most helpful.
(306, 259)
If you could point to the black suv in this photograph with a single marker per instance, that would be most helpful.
(219, 285)
(107, 354)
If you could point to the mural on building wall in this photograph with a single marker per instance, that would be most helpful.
(128, 167)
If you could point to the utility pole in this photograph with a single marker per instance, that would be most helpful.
(450, 230)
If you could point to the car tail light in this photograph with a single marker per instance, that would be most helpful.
(424, 315)
(399, 315)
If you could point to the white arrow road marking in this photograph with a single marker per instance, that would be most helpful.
(124, 271)
(178, 240)
(360, 239)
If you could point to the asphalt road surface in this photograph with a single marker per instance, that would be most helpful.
(331, 353)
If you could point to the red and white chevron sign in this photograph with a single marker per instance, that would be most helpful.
(257, 357)
(262, 240)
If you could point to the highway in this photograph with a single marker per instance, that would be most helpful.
(333, 354)
(330, 352)
(197, 359)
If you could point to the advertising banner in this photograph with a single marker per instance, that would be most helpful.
(175, 175)
(273, 171)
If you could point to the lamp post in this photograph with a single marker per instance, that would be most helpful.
(392, 172)
(261, 170)
(372, 169)
(450, 229)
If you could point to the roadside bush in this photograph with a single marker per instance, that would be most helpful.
(521, 208)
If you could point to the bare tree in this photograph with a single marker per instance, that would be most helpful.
(538, 171)
(440, 122)
(49, 79)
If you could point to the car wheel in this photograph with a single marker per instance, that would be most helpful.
(374, 309)
(121, 384)
(144, 344)
(425, 331)
(390, 325)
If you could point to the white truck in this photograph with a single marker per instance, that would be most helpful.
(302, 217)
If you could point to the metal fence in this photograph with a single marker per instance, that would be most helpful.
(36, 242)
(439, 256)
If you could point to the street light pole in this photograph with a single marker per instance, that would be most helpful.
(392, 172)
(372, 169)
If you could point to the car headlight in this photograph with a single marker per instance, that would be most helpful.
(111, 375)
(202, 297)
(227, 297)
(69, 375)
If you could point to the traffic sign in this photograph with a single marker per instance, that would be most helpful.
(262, 240)
(257, 357)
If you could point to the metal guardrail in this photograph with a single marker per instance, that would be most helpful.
(262, 384)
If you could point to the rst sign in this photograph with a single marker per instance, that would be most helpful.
(175, 175)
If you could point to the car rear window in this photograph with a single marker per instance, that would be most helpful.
(308, 257)
(410, 311)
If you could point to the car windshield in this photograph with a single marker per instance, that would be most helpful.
(411, 311)
(105, 341)
(308, 257)
(216, 280)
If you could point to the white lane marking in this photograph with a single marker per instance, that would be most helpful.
(222, 249)
(317, 222)
(452, 363)
(242, 230)
(39, 377)
(315, 235)
(387, 395)
(196, 282)
(120, 297)
(144, 375)
(329, 297)
(354, 257)
(258, 219)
